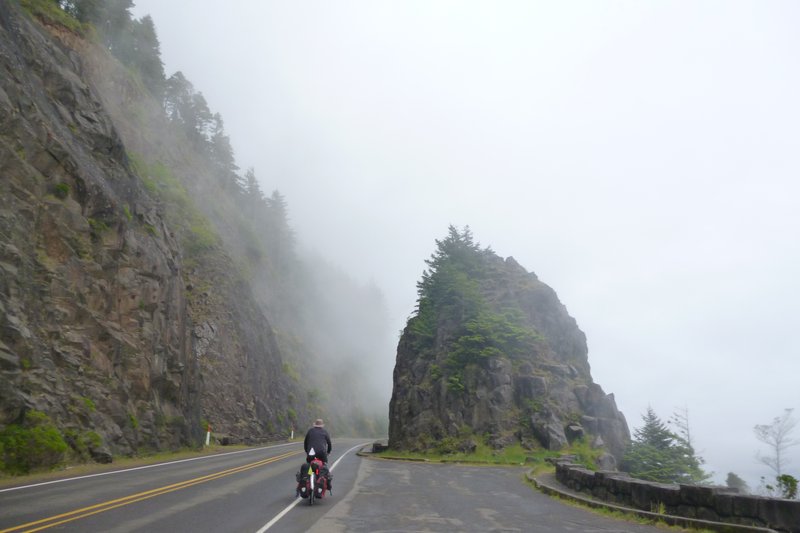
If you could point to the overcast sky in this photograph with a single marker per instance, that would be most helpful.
(640, 157)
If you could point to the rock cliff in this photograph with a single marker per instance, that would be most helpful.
(110, 322)
(492, 353)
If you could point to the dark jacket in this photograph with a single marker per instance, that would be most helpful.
(318, 439)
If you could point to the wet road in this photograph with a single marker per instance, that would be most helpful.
(390, 496)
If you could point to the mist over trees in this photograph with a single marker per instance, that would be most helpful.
(778, 436)
(331, 329)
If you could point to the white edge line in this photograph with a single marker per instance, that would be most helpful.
(298, 500)
(143, 467)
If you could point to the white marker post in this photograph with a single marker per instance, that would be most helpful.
(208, 435)
(291, 437)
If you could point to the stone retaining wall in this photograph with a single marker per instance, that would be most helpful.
(718, 504)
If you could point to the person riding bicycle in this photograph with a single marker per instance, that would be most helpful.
(317, 444)
(318, 440)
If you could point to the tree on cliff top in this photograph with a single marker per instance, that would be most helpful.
(450, 297)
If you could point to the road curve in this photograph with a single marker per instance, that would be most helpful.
(393, 496)
(252, 491)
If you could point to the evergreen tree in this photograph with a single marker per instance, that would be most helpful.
(735, 482)
(658, 454)
(132, 42)
(221, 153)
(189, 111)
(451, 297)
(457, 251)
(281, 239)
(83, 10)
(251, 187)
(693, 462)
(146, 55)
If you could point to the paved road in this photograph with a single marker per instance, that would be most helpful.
(240, 491)
(392, 496)
(253, 491)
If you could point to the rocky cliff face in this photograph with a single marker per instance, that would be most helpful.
(103, 324)
(463, 376)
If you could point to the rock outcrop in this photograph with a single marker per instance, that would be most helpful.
(104, 325)
(509, 365)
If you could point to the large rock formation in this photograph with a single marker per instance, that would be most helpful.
(104, 325)
(493, 353)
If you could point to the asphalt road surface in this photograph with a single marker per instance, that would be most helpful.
(392, 496)
(253, 491)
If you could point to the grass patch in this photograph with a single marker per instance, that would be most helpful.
(197, 233)
(80, 469)
(48, 12)
(627, 517)
(88, 403)
(511, 455)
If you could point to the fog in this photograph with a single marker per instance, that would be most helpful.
(641, 158)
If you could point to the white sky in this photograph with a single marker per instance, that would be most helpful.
(640, 157)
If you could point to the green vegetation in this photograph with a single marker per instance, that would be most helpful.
(616, 514)
(98, 226)
(81, 467)
(89, 404)
(61, 190)
(35, 444)
(454, 383)
(658, 454)
(228, 230)
(490, 335)
(448, 450)
(82, 442)
(733, 481)
(444, 452)
(450, 297)
(787, 486)
(290, 371)
(585, 454)
(49, 12)
(197, 232)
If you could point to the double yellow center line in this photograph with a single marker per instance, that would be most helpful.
(77, 514)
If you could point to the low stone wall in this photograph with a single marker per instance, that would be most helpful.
(718, 504)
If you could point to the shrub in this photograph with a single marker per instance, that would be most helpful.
(82, 442)
(61, 190)
(34, 444)
(454, 383)
(787, 485)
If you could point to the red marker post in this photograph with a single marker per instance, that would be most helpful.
(208, 435)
